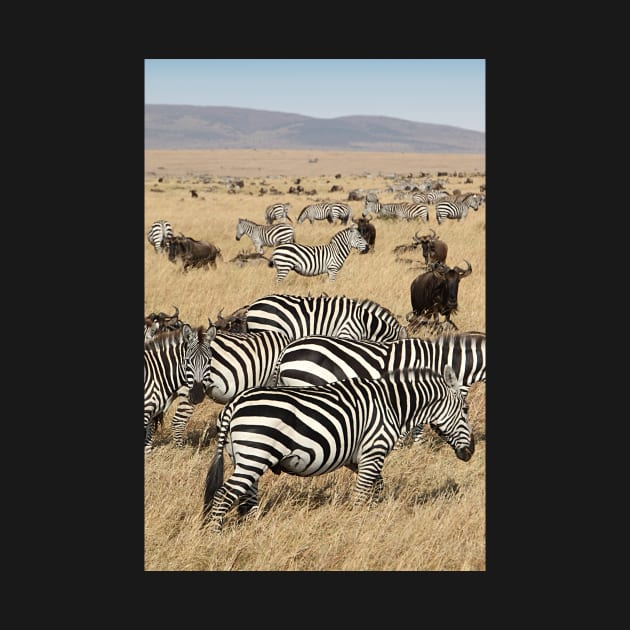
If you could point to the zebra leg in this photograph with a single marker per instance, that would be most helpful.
(417, 433)
(369, 480)
(249, 503)
(148, 436)
(180, 419)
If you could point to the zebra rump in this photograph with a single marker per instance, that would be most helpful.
(307, 431)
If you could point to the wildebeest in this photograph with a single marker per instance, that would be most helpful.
(367, 231)
(193, 253)
(155, 323)
(236, 322)
(434, 293)
(433, 250)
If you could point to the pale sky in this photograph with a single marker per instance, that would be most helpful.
(439, 91)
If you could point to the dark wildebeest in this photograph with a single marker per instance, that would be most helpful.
(434, 293)
(193, 253)
(367, 230)
(155, 323)
(433, 250)
(236, 322)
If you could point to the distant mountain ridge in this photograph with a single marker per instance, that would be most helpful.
(196, 127)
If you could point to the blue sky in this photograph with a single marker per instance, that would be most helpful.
(439, 91)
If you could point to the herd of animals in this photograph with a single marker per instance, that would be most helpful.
(313, 383)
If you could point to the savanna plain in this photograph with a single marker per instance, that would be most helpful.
(432, 514)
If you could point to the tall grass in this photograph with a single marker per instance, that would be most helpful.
(432, 516)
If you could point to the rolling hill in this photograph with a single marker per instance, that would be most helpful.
(193, 127)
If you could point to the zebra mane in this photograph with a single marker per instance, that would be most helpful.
(373, 306)
(163, 340)
(455, 336)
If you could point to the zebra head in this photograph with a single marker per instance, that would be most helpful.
(356, 239)
(451, 424)
(197, 361)
(240, 228)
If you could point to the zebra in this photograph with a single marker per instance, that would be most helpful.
(267, 235)
(158, 233)
(429, 197)
(314, 260)
(314, 360)
(307, 431)
(456, 209)
(277, 212)
(242, 360)
(329, 210)
(401, 210)
(176, 365)
(335, 316)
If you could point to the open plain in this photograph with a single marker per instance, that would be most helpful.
(432, 515)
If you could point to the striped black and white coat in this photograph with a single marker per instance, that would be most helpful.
(309, 431)
(176, 367)
(277, 212)
(327, 210)
(158, 233)
(297, 316)
(314, 360)
(456, 210)
(430, 197)
(402, 210)
(315, 260)
(265, 235)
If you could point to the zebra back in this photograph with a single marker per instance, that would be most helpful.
(277, 212)
(314, 360)
(298, 316)
(265, 235)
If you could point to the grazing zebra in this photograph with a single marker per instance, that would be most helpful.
(429, 197)
(307, 431)
(456, 209)
(335, 316)
(329, 210)
(277, 212)
(402, 210)
(314, 260)
(176, 365)
(315, 360)
(267, 235)
(158, 233)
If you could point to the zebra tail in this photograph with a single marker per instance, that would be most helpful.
(214, 480)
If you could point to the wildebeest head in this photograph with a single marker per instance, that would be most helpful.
(449, 287)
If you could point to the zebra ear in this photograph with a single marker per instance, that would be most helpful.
(187, 332)
(210, 334)
(450, 377)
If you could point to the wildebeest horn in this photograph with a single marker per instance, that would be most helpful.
(416, 238)
(434, 235)
(210, 324)
(464, 272)
(219, 316)
(176, 316)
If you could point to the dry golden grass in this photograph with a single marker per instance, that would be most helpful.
(432, 517)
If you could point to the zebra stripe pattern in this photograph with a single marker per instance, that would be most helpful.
(315, 360)
(456, 209)
(328, 210)
(309, 431)
(335, 316)
(429, 197)
(243, 360)
(314, 260)
(265, 235)
(158, 233)
(277, 212)
(176, 365)
(401, 210)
